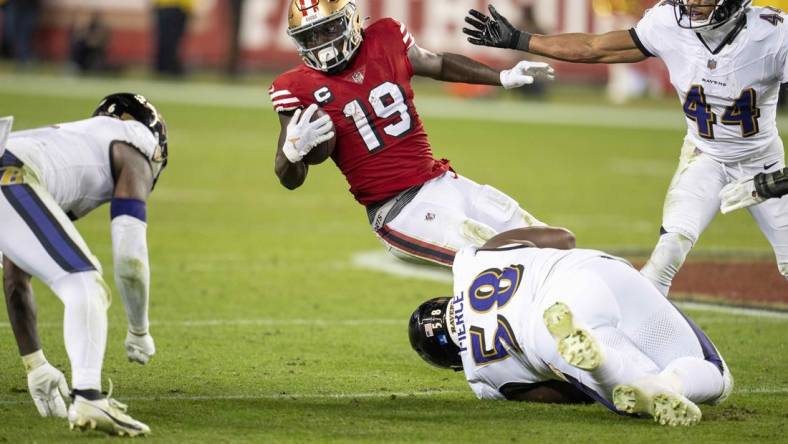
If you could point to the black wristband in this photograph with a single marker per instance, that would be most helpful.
(771, 185)
(523, 41)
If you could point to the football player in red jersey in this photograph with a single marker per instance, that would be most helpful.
(417, 205)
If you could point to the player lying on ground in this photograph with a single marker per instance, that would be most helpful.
(523, 315)
(49, 177)
(751, 191)
(726, 61)
(417, 205)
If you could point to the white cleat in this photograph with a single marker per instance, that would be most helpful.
(632, 399)
(675, 410)
(654, 397)
(106, 415)
(575, 345)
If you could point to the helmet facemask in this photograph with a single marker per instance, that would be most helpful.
(699, 17)
(329, 43)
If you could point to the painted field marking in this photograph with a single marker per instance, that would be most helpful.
(362, 395)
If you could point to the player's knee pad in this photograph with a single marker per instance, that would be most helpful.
(666, 259)
(79, 288)
(494, 204)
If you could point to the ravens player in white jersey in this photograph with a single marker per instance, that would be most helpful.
(726, 61)
(530, 323)
(48, 177)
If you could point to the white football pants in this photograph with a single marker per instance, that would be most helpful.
(693, 201)
(37, 236)
(448, 213)
(641, 334)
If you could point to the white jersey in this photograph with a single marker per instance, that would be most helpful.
(729, 99)
(72, 160)
(497, 294)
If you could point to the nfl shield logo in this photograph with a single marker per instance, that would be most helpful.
(712, 64)
(358, 77)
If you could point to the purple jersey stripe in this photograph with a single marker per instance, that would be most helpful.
(9, 159)
(47, 229)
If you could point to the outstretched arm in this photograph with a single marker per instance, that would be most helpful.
(134, 179)
(496, 31)
(449, 67)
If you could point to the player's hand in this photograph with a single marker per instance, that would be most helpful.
(47, 387)
(139, 348)
(496, 31)
(739, 194)
(525, 72)
(303, 135)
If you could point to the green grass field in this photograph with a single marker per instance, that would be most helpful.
(267, 332)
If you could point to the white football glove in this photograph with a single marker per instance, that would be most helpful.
(303, 135)
(525, 72)
(139, 348)
(739, 194)
(47, 387)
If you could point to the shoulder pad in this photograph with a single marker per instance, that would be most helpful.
(140, 137)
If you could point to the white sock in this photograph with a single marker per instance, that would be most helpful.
(84, 326)
(701, 381)
(666, 260)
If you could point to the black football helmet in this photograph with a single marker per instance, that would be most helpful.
(723, 11)
(128, 106)
(430, 337)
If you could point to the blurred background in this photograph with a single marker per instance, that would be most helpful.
(176, 38)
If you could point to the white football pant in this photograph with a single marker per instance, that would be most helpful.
(37, 236)
(448, 213)
(640, 333)
(693, 201)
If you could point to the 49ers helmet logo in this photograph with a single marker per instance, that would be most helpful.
(305, 5)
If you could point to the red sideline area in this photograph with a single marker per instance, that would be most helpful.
(736, 283)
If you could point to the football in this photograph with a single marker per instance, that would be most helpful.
(320, 153)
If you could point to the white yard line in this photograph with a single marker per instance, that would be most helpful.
(256, 97)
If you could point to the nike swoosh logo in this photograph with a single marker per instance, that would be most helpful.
(767, 166)
(117, 421)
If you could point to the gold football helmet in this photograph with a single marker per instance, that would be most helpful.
(326, 32)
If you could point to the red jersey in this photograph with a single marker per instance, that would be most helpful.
(382, 148)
